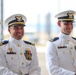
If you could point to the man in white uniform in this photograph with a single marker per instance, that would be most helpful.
(18, 57)
(61, 51)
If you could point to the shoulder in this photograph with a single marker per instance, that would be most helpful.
(4, 42)
(54, 39)
(74, 38)
(27, 42)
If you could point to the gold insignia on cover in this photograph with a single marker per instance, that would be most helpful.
(28, 54)
(19, 18)
(70, 15)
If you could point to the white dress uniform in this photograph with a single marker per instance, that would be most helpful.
(61, 55)
(18, 58)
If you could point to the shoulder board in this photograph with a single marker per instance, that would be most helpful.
(29, 43)
(3, 42)
(54, 39)
(74, 38)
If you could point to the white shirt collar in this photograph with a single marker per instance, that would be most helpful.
(64, 36)
(11, 39)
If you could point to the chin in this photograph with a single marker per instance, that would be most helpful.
(19, 38)
(68, 33)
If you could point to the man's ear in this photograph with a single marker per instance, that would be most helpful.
(9, 30)
(59, 23)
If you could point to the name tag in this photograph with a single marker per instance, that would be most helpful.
(11, 52)
(62, 47)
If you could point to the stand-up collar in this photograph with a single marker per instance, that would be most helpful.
(14, 40)
(64, 36)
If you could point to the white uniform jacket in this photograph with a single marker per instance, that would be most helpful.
(18, 58)
(61, 55)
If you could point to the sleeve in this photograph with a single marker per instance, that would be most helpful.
(3, 64)
(34, 66)
(52, 62)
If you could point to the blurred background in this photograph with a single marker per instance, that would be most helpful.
(41, 24)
